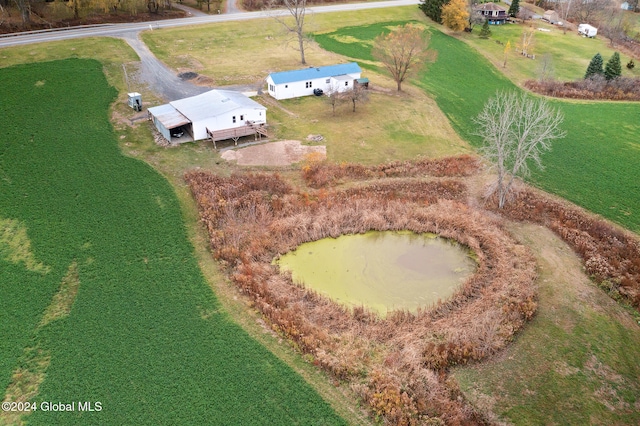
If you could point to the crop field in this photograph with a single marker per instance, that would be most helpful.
(595, 166)
(102, 298)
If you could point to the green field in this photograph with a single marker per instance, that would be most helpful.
(145, 335)
(553, 43)
(595, 166)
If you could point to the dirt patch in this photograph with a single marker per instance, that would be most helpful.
(203, 80)
(281, 153)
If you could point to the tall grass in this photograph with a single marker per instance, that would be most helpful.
(145, 336)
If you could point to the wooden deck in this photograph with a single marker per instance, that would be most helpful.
(250, 128)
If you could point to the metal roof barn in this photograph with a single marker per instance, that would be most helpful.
(209, 112)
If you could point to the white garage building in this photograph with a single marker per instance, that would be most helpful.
(217, 114)
(296, 83)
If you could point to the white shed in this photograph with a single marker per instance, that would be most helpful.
(297, 83)
(587, 30)
(217, 114)
(552, 17)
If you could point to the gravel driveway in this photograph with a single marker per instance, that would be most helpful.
(160, 78)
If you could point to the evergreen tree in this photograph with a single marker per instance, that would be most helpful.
(485, 32)
(514, 8)
(433, 9)
(613, 69)
(595, 66)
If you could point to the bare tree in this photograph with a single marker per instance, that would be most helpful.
(475, 17)
(358, 94)
(546, 68)
(564, 9)
(525, 14)
(526, 43)
(333, 97)
(403, 50)
(298, 11)
(615, 25)
(24, 7)
(588, 11)
(516, 129)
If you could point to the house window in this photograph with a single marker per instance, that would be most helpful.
(346, 83)
(286, 86)
(234, 118)
(328, 81)
(308, 84)
(242, 118)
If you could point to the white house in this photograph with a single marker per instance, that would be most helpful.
(625, 6)
(296, 83)
(587, 30)
(217, 114)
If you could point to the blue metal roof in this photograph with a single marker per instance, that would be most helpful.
(313, 73)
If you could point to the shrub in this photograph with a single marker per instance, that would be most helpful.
(485, 32)
(595, 87)
(319, 174)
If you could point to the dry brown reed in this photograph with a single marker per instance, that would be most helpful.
(319, 174)
(619, 89)
(397, 364)
(610, 255)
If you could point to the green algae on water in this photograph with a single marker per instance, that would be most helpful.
(381, 270)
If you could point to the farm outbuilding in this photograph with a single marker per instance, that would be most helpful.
(552, 17)
(587, 30)
(217, 114)
(303, 82)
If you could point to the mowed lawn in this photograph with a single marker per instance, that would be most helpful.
(595, 166)
(145, 335)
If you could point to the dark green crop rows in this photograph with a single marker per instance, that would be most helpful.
(595, 166)
(145, 336)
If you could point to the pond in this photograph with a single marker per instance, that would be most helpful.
(381, 270)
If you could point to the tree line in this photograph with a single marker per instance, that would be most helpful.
(51, 13)
(613, 22)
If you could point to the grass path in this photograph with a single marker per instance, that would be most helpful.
(145, 335)
(575, 363)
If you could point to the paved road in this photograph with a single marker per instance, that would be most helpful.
(118, 30)
(160, 78)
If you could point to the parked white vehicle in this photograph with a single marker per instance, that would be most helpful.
(587, 30)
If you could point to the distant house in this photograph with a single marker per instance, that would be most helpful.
(297, 83)
(552, 17)
(493, 13)
(625, 6)
(217, 114)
